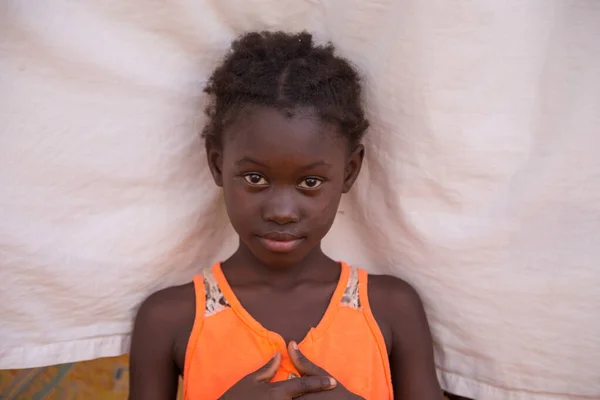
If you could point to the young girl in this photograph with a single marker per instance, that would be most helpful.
(279, 319)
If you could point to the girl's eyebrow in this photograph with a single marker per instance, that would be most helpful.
(316, 164)
(248, 160)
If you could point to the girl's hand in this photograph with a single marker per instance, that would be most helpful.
(257, 385)
(308, 369)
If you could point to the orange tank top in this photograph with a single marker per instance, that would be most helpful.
(227, 344)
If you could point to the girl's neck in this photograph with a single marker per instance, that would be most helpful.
(245, 267)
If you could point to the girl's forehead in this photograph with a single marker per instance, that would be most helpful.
(269, 133)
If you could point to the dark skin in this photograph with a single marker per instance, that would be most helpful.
(283, 174)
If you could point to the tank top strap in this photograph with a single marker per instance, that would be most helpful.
(209, 301)
(215, 301)
(363, 294)
(351, 297)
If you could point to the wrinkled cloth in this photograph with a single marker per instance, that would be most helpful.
(481, 185)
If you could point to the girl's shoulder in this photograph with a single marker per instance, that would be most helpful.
(396, 305)
(392, 293)
(166, 319)
(399, 312)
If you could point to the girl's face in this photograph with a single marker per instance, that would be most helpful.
(283, 178)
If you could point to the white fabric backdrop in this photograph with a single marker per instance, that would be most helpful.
(481, 185)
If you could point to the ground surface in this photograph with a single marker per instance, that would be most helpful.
(104, 379)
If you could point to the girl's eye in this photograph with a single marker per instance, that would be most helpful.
(255, 179)
(310, 183)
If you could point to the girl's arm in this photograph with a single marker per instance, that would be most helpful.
(154, 374)
(411, 354)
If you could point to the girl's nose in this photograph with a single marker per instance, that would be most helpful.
(281, 207)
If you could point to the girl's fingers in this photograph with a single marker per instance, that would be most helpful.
(303, 364)
(267, 371)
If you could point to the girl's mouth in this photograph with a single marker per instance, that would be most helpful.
(280, 243)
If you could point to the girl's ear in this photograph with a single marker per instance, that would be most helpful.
(353, 167)
(214, 155)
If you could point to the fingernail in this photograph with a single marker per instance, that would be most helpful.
(332, 382)
(294, 346)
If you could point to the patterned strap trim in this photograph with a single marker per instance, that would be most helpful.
(351, 296)
(215, 299)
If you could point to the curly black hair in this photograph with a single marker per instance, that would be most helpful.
(284, 71)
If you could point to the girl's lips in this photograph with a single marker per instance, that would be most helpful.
(280, 246)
